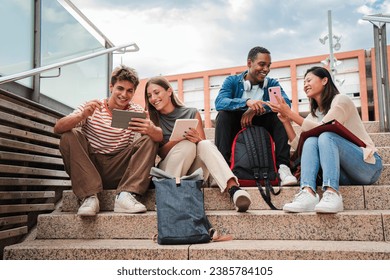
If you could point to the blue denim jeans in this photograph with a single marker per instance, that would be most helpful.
(340, 160)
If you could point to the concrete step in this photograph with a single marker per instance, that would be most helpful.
(381, 139)
(350, 225)
(94, 249)
(372, 126)
(385, 176)
(374, 197)
(290, 250)
(139, 249)
(384, 152)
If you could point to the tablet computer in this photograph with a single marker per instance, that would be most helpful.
(182, 125)
(121, 118)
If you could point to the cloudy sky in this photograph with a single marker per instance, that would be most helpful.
(194, 35)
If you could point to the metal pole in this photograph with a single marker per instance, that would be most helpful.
(331, 55)
(381, 70)
(382, 80)
(110, 62)
(37, 51)
(378, 73)
(386, 93)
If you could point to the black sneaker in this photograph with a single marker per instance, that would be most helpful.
(240, 198)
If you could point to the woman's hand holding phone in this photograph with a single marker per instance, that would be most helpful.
(273, 92)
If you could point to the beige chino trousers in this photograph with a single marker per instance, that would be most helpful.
(185, 157)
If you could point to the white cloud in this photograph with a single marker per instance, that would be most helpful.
(282, 31)
(174, 40)
(187, 36)
(365, 10)
(238, 9)
(386, 7)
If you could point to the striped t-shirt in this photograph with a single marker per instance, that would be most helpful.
(104, 138)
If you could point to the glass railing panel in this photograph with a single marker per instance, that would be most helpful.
(78, 82)
(63, 38)
(16, 46)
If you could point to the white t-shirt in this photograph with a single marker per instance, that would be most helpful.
(256, 93)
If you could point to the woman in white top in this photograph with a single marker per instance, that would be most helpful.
(341, 161)
(182, 157)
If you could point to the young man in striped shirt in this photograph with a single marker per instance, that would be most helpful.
(97, 155)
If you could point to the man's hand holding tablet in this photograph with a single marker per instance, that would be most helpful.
(121, 118)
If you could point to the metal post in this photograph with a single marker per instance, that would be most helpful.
(382, 76)
(330, 35)
(110, 60)
(386, 92)
(37, 50)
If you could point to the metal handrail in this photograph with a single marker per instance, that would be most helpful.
(33, 72)
(86, 20)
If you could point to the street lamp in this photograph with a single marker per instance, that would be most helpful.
(336, 62)
(336, 46)
(331, 60)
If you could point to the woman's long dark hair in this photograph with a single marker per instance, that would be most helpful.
(164, 83)
(330, 90)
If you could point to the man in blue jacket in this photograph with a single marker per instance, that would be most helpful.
(239, 105)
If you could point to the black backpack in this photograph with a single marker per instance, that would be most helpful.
(253, 161)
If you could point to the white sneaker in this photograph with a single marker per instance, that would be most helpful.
(125, 202)
(331, 202)
(89, 207)
(241, 198)
(304, 201)
(286, 178)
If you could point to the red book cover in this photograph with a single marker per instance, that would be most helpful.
(332, 126)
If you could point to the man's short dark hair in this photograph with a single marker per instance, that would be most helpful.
(254, 51)
(124, 73)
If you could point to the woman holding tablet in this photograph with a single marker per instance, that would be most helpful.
(182, 156)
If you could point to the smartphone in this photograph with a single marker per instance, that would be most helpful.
(274, 91)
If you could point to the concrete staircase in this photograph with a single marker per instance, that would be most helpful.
(362, 231)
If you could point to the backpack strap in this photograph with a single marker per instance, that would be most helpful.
(216, 237)
(259, 166)
(251, 151)
(264, 150)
